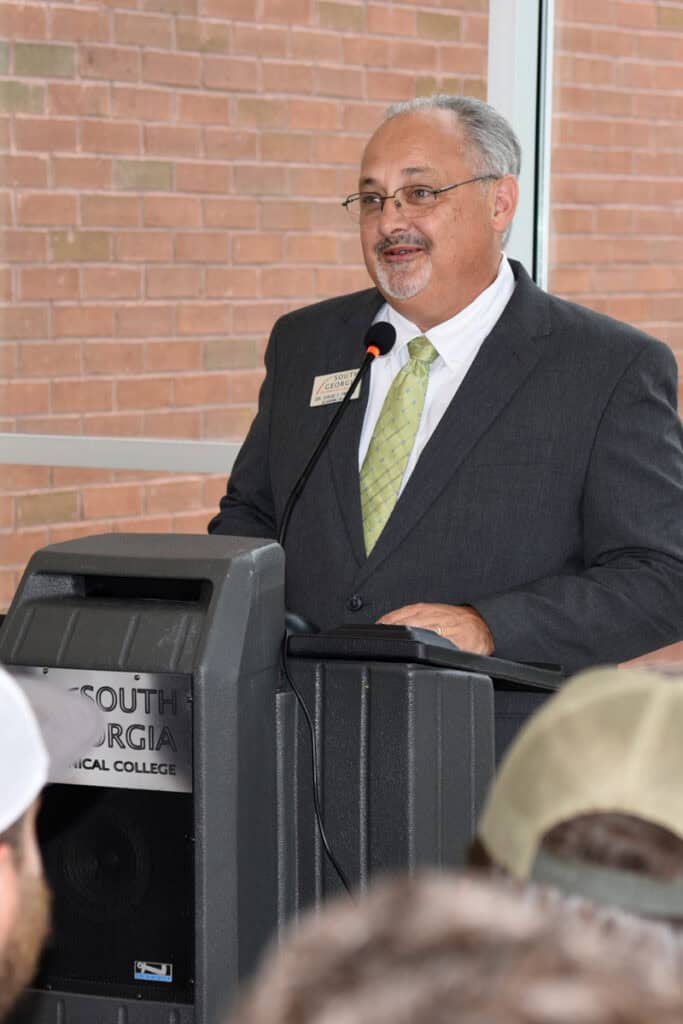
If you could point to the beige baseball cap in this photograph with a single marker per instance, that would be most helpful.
(42, 731)
(611, 740)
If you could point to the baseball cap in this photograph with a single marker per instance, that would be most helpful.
(42, 731)
(608, 741)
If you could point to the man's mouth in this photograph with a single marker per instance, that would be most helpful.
(401, 250)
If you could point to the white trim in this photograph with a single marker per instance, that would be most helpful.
(519, 86)
(117, 453)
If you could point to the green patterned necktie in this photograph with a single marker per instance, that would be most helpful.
(393, 439)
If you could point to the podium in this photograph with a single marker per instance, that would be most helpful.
(179, 845)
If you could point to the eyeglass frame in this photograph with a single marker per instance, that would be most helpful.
(399, 206)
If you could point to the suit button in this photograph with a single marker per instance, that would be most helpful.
(354, 603)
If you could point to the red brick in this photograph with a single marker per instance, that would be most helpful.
(110, 136)
(23, 171)
(204, 318)
(172, 211)
(203, 389)
(144, 30)
(203, 108)
(233, 282)
(119, 500)
(389, 86)
(286, 76)
(47, 134)
(338, 149)
(265, 40)
(366, 51)
(204, 247)
(21, 397)
(28, 322)
(229, 144)
(115, 211)
(230, 73)
(23, 246)
(5, 296)
(25, 478)
(362, 117)
(111, 282)
(230, 424)
(115, 63)
(144, 393)
(74, 99)
(246, 385)
(23, 21)
(5, 208)
(316, 45)
(313, 181)
(172, 139)
(174, 282)
(286, 147)
(79, 395)
(173, 355)
(289, 282)
(173, 496)
(18, 548)
(203, 177)
(230, 213)
(340, 280)
(144, 104)
(83, 321)
(288, 11)
(144, 246)
(144, 321)
(68, 476)
(257, 316)
(113, 357)
(49, 283)
(79, 25)
(49, 359)
(257, 248)
(285, 215)
(47, 208)
(81, 172)
(172, 423)
(391, 21)
(171, 68)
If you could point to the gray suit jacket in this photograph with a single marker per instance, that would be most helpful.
(550, 496)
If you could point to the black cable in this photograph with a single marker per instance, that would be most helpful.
(314, 757)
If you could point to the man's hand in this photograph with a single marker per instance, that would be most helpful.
(458, 623)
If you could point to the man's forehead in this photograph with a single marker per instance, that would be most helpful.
(413, 143)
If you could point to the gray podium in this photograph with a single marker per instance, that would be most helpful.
(179, 845)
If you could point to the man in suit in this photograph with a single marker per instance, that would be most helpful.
(535, 509)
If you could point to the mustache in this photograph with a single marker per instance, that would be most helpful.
(403, 238)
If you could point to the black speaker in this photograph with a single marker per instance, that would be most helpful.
(160, 843)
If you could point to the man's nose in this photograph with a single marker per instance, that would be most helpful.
(393, 212)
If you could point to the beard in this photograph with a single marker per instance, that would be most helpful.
(398, 281)
(19, 960)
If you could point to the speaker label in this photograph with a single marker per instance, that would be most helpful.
(146, 740)
(149, 970)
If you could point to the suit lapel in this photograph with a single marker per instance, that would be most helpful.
(504, 361)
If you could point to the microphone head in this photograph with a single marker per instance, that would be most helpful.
(380, 338)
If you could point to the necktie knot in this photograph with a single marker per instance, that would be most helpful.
(422, 350)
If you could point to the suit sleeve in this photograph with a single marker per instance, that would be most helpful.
(628, 598)
(247, 508)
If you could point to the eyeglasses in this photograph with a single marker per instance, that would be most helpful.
(418, 199)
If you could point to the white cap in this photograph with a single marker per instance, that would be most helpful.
(609, 741)
(42, 730)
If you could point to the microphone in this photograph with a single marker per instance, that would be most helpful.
(379, 339)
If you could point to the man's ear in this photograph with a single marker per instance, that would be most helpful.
(505, 199)
(9, 893)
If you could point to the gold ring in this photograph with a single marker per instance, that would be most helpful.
(438, 630)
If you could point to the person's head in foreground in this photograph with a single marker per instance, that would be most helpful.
(41, 732)
(444, 948)
(588, 797)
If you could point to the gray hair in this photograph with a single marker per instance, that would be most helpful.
(495, 147)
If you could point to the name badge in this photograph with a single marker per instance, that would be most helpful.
(331, 387)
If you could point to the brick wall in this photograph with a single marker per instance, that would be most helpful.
(172, 185)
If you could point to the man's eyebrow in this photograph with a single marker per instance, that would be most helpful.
(408, 172)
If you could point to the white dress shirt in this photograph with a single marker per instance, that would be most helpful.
(456, 340)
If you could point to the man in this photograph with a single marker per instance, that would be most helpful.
(588, 799)
(532, 498)
(442, 948)
(28, 752)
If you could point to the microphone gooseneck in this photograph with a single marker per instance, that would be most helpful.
(379, 339)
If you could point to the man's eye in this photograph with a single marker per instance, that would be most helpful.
(370, 199)
(420, 194)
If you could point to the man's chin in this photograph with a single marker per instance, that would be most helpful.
(401, 284)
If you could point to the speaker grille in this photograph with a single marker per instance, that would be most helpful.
(120, 865)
